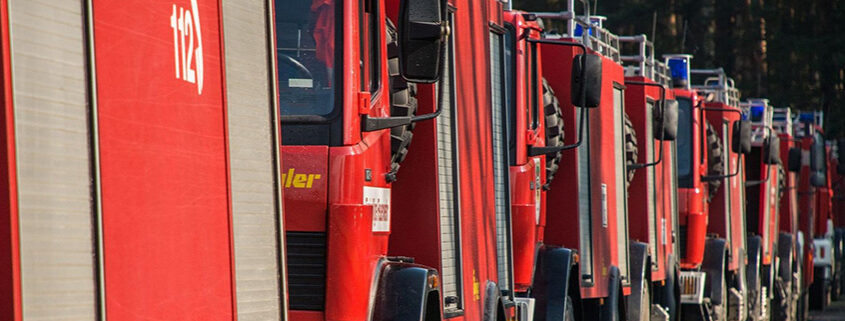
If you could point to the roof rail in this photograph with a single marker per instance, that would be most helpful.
(782, 120)
(761, 116)
(719, 84)
(595, 37)
(644, 62)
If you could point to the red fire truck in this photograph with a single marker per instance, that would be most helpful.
(704, 165)
(582, 269)
(808, 131)
(140, 174)
(761, 187)
(788, 281)
(652, 201)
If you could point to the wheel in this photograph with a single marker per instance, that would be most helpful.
(715, 164)
(645, 302)
(554, 130)
(631, 151)
(403, 101)
(720, 312)
(568, 310)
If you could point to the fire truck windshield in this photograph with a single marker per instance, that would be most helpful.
(684, 142)
(307, 56)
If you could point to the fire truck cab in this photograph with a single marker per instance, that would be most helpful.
(711, 224)
(652, 201)
(763, 180)
(789, 251)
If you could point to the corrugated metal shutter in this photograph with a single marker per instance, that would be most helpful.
(621, 195)
(447, 177)
(651, 176)
(675, 217)
(585, 219)
(56, 210)
(253, 160)
(500, 164)
(726, 183)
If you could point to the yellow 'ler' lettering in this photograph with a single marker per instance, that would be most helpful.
(290, 179)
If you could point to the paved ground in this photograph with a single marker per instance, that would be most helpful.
(836, 311)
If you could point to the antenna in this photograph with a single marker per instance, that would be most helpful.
(654, 27)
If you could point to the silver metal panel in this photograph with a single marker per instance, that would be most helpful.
(621, 210)
(52, 137)
(585, 235)
(252, 155)
(651, 177)
(448, 183)
(500, 164)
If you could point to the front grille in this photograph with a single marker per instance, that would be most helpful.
(306, 262)
(682, 240)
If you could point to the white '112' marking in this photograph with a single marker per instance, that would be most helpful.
(186, 55)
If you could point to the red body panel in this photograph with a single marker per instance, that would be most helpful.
(164, 166)
(10, 282)
(727, 212)
(807, 208)
(562, 199)
(651, 194)
(788, 212)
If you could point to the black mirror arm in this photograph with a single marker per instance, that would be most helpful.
(710, 178)
(662, 112)
(537, 151)
(546, 150)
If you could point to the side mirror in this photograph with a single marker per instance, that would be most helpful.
(668, 118)
(794, 160)
(816, 157)
(817, 179)
(741, 140)
(586, 80)
(771, 150)
(422, 31)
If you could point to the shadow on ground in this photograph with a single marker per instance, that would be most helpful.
(836, 311)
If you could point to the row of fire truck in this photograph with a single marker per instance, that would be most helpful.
(395, 160)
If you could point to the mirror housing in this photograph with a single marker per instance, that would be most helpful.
(794, 160)
(586, 80)
(667, 117)
(422, 34)
(741, 140)
(771, 150)
(817, 179)
(816, 157)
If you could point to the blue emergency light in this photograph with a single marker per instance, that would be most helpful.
(807, 117)
(757, 112)
(679, 66)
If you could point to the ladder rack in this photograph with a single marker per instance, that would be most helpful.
(644, 62)
(586, 27)
(719, 84)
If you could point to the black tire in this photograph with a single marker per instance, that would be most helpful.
(403, 101)
(554, 130)
(720, 312)
(631, 151)
(715, 164)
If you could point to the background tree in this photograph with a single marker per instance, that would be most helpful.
(790, 51)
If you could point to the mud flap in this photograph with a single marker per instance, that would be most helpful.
(552, 283)
(714, 266)
(404, 290)
(639, 259)
(610, 309)
(754, 277)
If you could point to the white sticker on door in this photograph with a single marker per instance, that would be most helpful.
(379, 198)
(604, 205)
